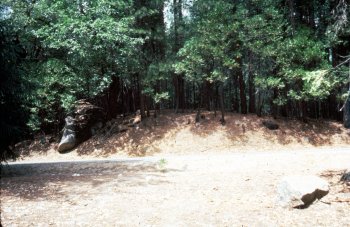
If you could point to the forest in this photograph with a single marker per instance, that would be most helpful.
(283, 58)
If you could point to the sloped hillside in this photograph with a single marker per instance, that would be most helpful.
(171, 133)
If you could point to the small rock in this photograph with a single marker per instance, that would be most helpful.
(270, 125)
(122, 128)
(137, 120)
(345, 177)
(301, 191)
(306, 139)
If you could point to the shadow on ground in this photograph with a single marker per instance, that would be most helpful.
(50, 180)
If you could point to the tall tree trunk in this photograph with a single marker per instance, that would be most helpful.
(260, 104)
(291, 14)
(142, 106)
(273, 105)
(303, 110)
(182, 94)
(242, 95)
(179, 83)
(235, 106)
(176, 93)
(346, 116)
(347, 113)
(251, 88)
(222, 107)
(113, 92)
(141, 98)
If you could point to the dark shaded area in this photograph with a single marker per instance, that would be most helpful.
(87, 119)
(308, 199)
(347, 112)
(13, 115)
(270, 124)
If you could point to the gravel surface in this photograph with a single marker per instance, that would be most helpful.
(207, 189)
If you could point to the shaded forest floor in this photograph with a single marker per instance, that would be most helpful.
(172, 133)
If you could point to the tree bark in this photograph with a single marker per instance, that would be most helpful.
(113, 92)
(273, 105)
(179, 82)
(142, 99)
(235, 104)
(222, 107)
(347, 114)
(260, 104)
(251, 88)
(243, 98)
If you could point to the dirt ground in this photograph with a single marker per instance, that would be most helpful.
(169, 171)
(178, 134)
(227, 189)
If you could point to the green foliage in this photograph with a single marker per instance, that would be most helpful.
(208, 55)
(78, 48)
(56, 89)
(303, 68)
(56, 52)
(159, 97)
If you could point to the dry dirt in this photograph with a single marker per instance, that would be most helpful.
(231, 189)
(192, 175)
(178, 134)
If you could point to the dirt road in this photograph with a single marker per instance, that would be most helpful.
(209, 189)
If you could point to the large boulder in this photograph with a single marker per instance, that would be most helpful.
(301, 191)
(345, 177)
(68, 140)
(87, 119)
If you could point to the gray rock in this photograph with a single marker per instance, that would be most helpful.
(345, 177)
(68, 140)
(301, 191)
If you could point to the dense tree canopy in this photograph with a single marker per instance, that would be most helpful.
(285, 58)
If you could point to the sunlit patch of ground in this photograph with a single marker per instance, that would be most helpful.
(206, 189)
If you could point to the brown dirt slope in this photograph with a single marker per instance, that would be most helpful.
(171, 133)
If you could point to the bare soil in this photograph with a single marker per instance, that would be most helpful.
(185, 175)
(178, 134)
(232, 189)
